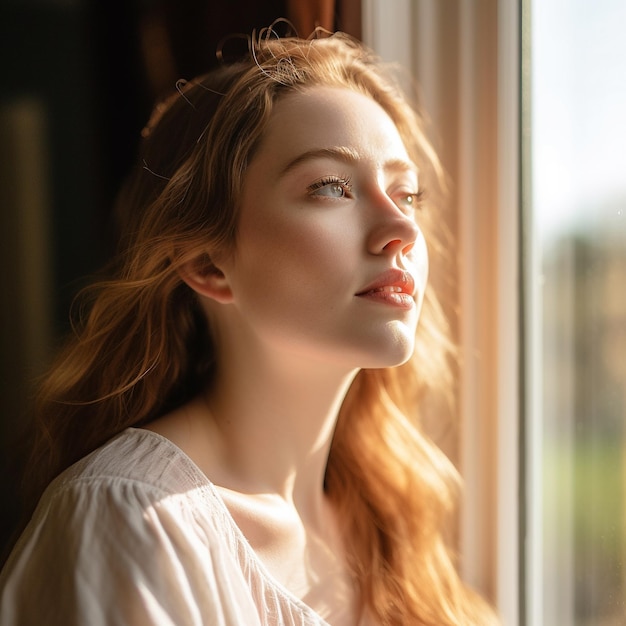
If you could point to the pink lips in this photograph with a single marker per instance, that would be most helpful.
(394, 287)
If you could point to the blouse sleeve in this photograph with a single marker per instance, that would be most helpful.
(120, 554)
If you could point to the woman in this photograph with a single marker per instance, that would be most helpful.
(234, 411)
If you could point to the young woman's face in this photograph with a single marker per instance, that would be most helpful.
(330, 263)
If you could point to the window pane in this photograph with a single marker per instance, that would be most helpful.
(578, 198)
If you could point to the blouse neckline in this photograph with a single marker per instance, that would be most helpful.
(200, 479)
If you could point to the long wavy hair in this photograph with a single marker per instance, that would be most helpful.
(142, 346)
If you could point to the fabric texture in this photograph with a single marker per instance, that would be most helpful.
(136, 534)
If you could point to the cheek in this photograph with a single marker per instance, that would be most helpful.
(309, 243)
(287, 262)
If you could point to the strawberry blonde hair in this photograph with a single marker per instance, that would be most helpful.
(142, 345)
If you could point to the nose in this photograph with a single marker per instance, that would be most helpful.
(393, 232)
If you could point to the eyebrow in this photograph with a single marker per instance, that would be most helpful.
(347, 155)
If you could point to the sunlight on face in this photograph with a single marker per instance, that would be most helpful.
(330, 263)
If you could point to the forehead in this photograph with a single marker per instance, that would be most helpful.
(319, 118)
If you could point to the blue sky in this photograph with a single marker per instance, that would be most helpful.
(579, 113)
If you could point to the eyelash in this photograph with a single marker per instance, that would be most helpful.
(343, 182)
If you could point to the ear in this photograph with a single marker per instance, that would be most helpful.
(206, 279)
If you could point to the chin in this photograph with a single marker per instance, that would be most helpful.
(394, 361)
(390, 355)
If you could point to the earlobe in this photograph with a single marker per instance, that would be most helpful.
(206, 279)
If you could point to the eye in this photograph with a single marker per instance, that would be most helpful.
(331, 187)
(410, 201)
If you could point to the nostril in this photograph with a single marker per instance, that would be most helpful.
(392, 244)
(397, 244)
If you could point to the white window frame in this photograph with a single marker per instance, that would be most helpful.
(470, 50)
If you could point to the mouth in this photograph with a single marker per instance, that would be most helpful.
(390, 289)
(395, 287)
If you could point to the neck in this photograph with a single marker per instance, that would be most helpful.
(274, 418)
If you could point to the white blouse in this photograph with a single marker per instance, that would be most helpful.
(135, 534)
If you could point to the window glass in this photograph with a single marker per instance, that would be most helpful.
(578, 225)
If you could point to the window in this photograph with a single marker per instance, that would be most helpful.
(576, 318)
